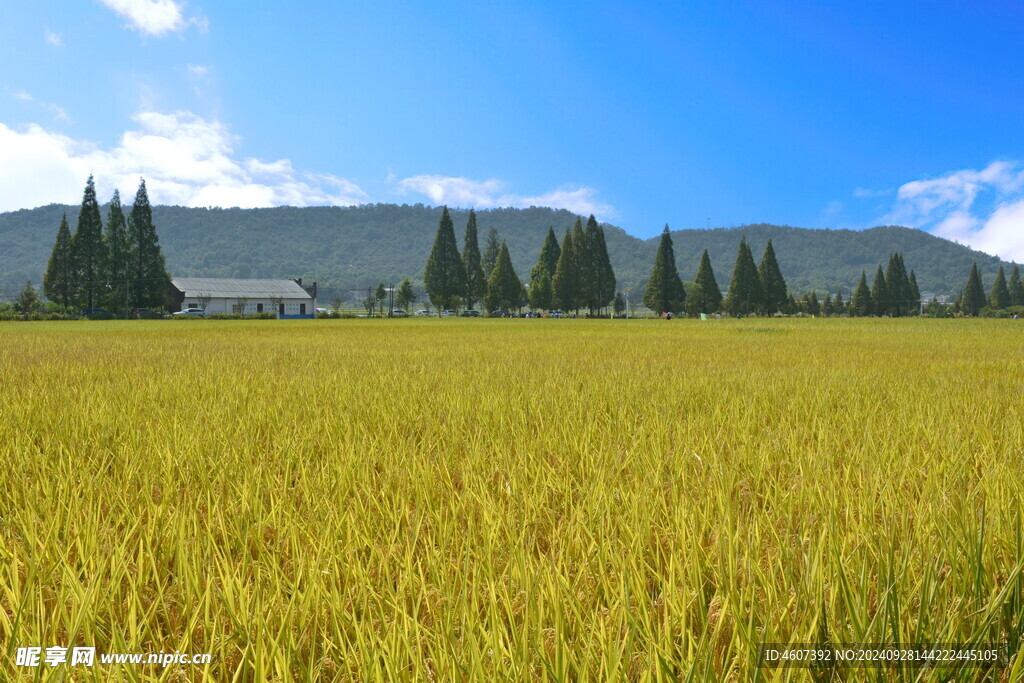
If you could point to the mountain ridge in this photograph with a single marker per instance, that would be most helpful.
(351, 248)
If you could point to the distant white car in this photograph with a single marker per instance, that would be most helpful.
(424, 311)
(192, 311)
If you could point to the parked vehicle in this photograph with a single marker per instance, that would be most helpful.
(425, 312)
(399, 313)
(499, 314)
(448, 312)
(198, 312)
(470, 313)
(145, 313)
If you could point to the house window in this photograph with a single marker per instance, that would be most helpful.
(302, 309)
(259, 308)
(191, 305)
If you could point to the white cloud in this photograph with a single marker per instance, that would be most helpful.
(185, 159)
(983, 209)
(52, 38)
(483, 194)
(155, 17)
(58, 112)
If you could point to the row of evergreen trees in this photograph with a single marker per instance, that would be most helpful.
(572, 276)
(115, 268)
(1002, 295)
(893, 292)
(753, 288)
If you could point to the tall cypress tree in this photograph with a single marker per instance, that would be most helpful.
(706, 296)
(915, 293)
(549, 253)
(973, 298)
(999, 296)
(148, 278)
(564, 287)
(897, 285)
(838, 305)
(880, 300)
(772, 282)
(491, 252)
(860, 302)
(504, 289)
(664, 292)
(541, 296)
(118, 256)
(745, 292)
(476, 283)
(584, 268)
(88, 252)
(58, 281)
(445, 275)
(602, 276)
(1016, 288)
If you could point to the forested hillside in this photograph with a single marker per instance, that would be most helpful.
(354, 247)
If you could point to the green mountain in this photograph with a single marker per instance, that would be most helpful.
(356, 247)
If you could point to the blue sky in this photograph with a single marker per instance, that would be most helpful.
(843, 115)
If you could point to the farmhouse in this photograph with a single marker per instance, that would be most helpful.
(286, 298)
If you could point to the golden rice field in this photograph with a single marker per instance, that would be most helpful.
(352, 500)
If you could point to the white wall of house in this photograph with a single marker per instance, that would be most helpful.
(221, 305)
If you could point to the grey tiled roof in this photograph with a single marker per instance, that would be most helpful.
(228, 288)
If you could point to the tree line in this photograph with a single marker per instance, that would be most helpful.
(760, 289)
(116, 266)
(1001, 298)
(574, 275)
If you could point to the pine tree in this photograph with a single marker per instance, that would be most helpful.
(584, 267)
(860, 302)
(880, 300)
(772, 283)
(973, 298)
(88, 253)
(813, 305)
(406, 295)
(541, 295)
(28, 300)
(826, 305)
(504, 289)
(148, 278)
(897, 285)
(619, 305)
(491, 252)
(999, 296)
(549, 253)
(706, 297)
(564, 282)
(445, 275)
(915, 294)
(839, 305)
(540, 292)
(58, 281)
(745, 295)
(664, 292)
(118, 256)
(1016, 288)
(602, 276)
(476, 283)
